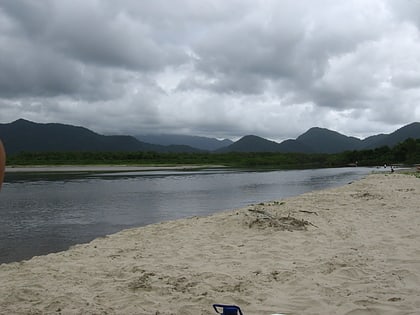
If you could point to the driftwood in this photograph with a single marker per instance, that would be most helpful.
(311, 212)
(263, 219)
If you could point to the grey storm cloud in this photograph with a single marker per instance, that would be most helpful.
(215, 68)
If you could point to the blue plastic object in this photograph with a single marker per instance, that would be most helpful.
(227, 309)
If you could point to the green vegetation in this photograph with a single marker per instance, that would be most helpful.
(407, 152)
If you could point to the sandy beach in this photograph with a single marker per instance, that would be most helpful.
(350, 250)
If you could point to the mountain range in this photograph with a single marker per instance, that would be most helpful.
(202, 143)
(23, 135)
(321, 140)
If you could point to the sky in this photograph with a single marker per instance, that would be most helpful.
(219, 68)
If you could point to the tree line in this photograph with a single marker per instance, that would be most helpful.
(407, 152)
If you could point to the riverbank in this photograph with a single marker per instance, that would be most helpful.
(348, 250)
(100, 168)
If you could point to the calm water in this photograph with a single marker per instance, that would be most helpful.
(41, 214)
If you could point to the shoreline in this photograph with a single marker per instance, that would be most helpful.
(346, 250)
(100, 168)
(134, 168)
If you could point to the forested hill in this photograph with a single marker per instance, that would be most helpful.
(321, 140)
(22, 135)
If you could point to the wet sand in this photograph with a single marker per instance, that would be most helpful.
(349, 250)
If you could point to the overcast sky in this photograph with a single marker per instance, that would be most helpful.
(224, 68)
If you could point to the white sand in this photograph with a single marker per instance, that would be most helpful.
(360, 254)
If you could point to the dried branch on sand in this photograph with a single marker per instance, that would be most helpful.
(262, 219)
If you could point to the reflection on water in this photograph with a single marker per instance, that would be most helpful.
(44, 213)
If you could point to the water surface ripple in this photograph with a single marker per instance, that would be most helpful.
(46, 213)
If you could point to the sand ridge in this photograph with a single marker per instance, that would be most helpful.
(349, 250)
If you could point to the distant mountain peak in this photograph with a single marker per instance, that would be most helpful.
(408, 131)
(253, 137)
(252, 143)
(23, 121)
(319, 131)
(199, 142)
(318, 128)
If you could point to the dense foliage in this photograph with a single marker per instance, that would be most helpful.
(407, 152)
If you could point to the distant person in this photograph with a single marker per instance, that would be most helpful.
(2, 163)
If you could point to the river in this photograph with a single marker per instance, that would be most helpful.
(45, 213)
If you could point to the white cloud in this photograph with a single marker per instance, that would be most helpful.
(216, 68)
